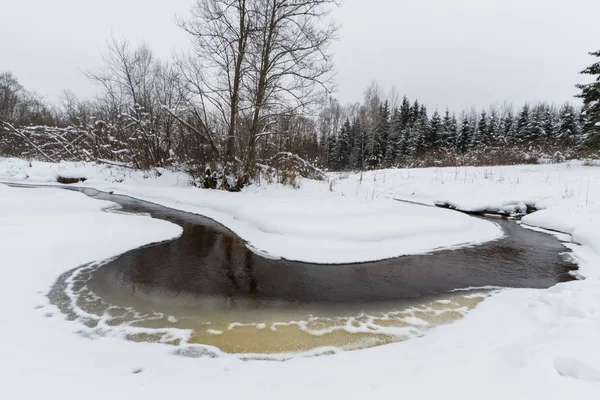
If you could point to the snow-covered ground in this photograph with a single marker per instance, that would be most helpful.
(519, 344)
(309, 225)
(567, 195)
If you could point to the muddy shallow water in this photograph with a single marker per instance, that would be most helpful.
(208, 288)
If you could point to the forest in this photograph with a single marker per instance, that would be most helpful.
(257, 87)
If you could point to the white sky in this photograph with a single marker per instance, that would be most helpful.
(455, 53)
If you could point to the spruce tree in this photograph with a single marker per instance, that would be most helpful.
(434, 132)
(495, 125)
(405, 113)
(344, 146)
(537, 131)
(590, 93)
(568, 125)
(382, 133)
(394, 139)
(406, 147)
(420, 131)
(333, 160)
(549, 122)
(464, 135)
(445, 141)
(414, 113)
(358, 146)
(453, 133)
(508, 130)
(523, 128)
(481, 136)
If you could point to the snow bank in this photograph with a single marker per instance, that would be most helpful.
(520, 344)
(582, 224)
(309, 225)
(567, 194)
(43, 233)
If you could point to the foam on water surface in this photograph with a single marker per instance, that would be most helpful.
(259, 332)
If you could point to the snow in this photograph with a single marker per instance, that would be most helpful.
(567, 195)
(308, 225)
(518, 344)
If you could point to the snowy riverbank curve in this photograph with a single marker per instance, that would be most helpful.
(311, 224)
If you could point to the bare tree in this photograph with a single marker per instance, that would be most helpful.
(220, 30)
(289, 61)
(136, 90)
(11, 93)
(254, 64)
(330, 121)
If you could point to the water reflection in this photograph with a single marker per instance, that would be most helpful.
(208, 288)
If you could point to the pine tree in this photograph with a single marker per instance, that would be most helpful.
(382, 133)
(414, 113)
(404, 146)
(590, 93)
(344, 146)
(394, 139)
(464, 135)
(508, 130)
(358, 146)
(523, 128)
(453, 133)
(434, 132)
(405, 113)
(549, 122)
(445, 141)
(495, 125)
(481, 135)
(568, 125)
(539, 124)
(333, 160)
(420, 131)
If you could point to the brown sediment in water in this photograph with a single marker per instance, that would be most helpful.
(259, 331)
(209, 285)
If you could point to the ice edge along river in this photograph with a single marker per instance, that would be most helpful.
(310, 225)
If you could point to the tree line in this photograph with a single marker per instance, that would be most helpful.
(380, 133)
(257, 84)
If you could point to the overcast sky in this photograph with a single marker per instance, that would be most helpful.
(447, 53)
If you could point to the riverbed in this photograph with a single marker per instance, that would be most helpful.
(207, 288)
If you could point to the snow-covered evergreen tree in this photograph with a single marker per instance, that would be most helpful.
(524, 129)
(508, 129)
(568, 129)
(549, 122)
(537, 123)
(344, 146)
(433, 134)
(405, 113)
(481, 135)
(494, 125)
(590, 93)
(464, 135)
(420, 130)
(358, 146)
(445, 140)
(394, 139)
(382, 132)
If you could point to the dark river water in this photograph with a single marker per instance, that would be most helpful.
(207, 288)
